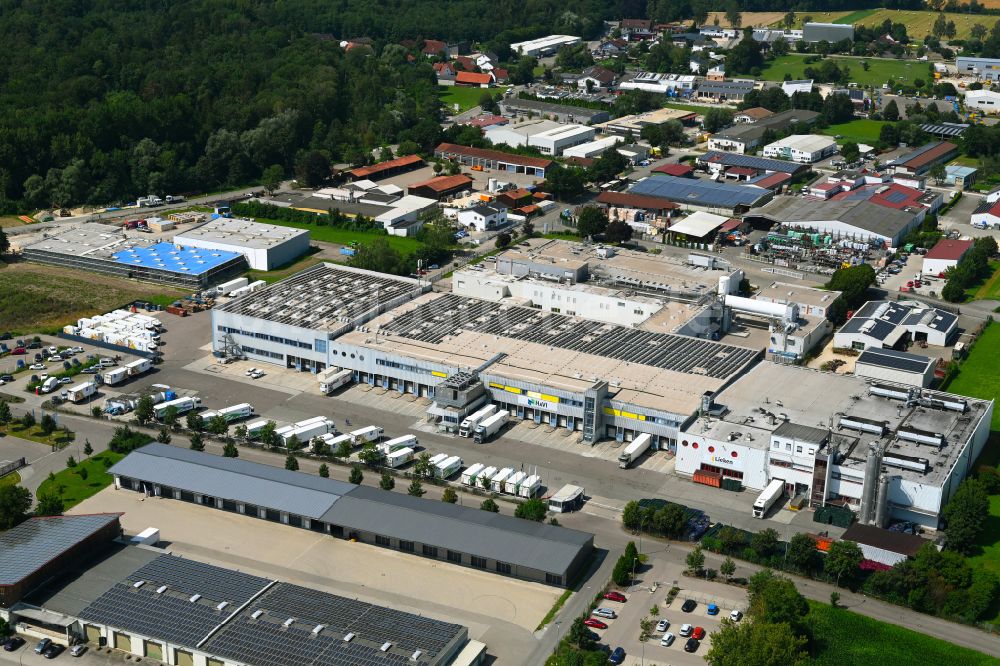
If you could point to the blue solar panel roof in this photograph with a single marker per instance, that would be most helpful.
(174, 258)
(698, 192)
(895, 197)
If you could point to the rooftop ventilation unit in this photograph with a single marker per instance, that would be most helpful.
(385, 646)
(349, 637)
(222, 605)
(289, 622)
(863, 425)
(921, 436)
(889, 392)
(161, 589)
(138, 584)
(194, 598)
(256, 614)
(318, 628)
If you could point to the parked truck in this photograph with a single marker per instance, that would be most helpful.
(114, 376)
(183, 405)
(234, 413)
(568, 498)
(227, 287)
(49, 385)
(486, 430)
(485, 477)
(766, 499)
(306, 430)
(634, 450)
(434, 460)
(254, 428)
(406, 441)
(368, 434)
(333, 378)
(513, 482)
(138, 367)
(468, 426)
(529, 487)
(334, 441)
(80, 392)
(399, 457)
(496, 483)
(469, 474)
(447, 467)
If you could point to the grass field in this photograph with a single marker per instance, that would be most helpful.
(918, 24)
(466, 98)
(73, 488)
(858, 131)
(39, 298)
(979, 376)
(11, 479)
(852, 18)
(879, 69)
(762, 19)
(283, 272)
(686, 107)
(848, 639)
(57, 439)
(989, 290)
(403, 245)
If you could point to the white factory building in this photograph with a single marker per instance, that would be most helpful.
(883, 450)
(891, 324)
(266, 246)
(801, 148)
(593, 148)
(483, 217)
(549, 137)
(544, 46)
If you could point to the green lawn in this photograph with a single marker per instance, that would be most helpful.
(855, 17)
(57, 439)
(879, 69)
(73, 488)
(466, 98)
(345, 237)
(990, 289)
(979, 375)
(11, 479)
(848, 639)
(858, 131)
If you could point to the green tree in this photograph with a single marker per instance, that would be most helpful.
(272, 177)
(416, 488)
(489, 504)
(170, 416)
(774, 599)
(695, 560)
(669, 520)
(503, 239)
(144, 410)
(532, 509)
(802, 553)
(965, 516)
(4, 242)
(324, 471)
(291, 463)
(71, 462)
(312, 168)
(387, 482)
(229, 450)
(423, 465)
(834, 598)
(28, 420)
(618, 231)
(765, 542)
(15, 502)
(734, 16)
(756, 644)
(891, 112)
(728, 568)
(938, 172)
(371, 455)
(241, 433)
(95, 411)
(853, 282)
(217, 425)
(449, 496)
(579, 634)
(591, 221)
(49, 504)
(843, 560)
(195, 422)
(850, 151)
(88, 450)
(5, 416)
(356, 477)
(83, 472)
(716, 118)
(197, 443)
(163, 436)
(631, 515)
(344, 449)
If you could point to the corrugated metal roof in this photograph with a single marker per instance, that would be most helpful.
(27, 547)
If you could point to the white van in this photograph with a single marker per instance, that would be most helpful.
(107, 363)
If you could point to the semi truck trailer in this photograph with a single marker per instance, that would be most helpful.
(399, 457)
(469, 474)
(447, 467)
(234, 413)
(80, 392)
(332, 379)
(488, 429)
(766, 499)
(183, 405)
(468, 426)
(368, 434)
(632, 452)
(406, 441)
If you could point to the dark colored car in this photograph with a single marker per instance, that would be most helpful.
(43, 645)
(6, 378)
(617, 656)
(616, 596)
(13, 643)
(689, 605)
(593, 635)
(53, 651)
(691, 645)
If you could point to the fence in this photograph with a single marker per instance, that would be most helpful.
(12, 467)
(118, 349)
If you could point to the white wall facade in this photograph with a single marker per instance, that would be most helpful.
(473, 217)
(727, 145)
(984, 101)
(693, 450)
(259, 258)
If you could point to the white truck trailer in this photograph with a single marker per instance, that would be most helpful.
(468, 426)
(227, 287)
(496, 483)
(469, 474)
(568, 498)
(333, 378)
(234, 413)
(406, 441)
(399, 457)
(255, 427)
(447, 467)
(513, 482)
(485, 477)
(138, 367)
(305, 431)
(434, 460)
(766, 499)
(80, 392)
(634, 450)
(368, 434)
(529, 487)
(183, 405)
(333, 441)
(114, 376)
(490, 426)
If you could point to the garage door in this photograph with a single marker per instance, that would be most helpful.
(182, 658)
(154, 650)
(251, 510)
(187, 496)
(229, 505)
(294, 521)
(92, 633)
(123, 642)
(215, 662)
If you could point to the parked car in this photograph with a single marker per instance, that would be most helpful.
(56, 358)
(691, 645)
(53, 651)
(18, 350)
(7, 378)
(735, 616)
(89, 371)
(605, 612)
(686, 630)
(667, 640)
(616, 596)
(37, 366)
(689, 605)
(595, 623)
(42, 644)
(662, 625)
(617, 656)
(77, 650)
(699, 633)
(713, 609)
(65, 380)
(13, 643)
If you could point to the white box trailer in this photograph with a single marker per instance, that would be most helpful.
(496, 483)
(138, 367)
(399, 457)
(406, 441)
(234, 413)
(254, 428)
(149, 537)
(766, 499)
(305, 433)
(469, 474)
(332, 379)
(365, 435)
(568, 498)
(333, 440)
(447, 467)
(634, 450)
(490, 426)
(433, 462)
(80, 392)
(232, 285)
(529, 487)
(468, 426)
(183, 405)
(512, 483)
(114, 376)
(485, 477)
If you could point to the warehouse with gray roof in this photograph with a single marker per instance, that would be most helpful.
(702, 194)
(456, 534)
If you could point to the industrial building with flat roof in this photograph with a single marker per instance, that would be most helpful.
(494, 159)
(565, 113)
(743, 137)
(549, 137)
(386, 168)
(635, 122)
(543, 45)
(918, 162)
(460, 535)
(893, 324)
(716, 161)
(884, 450)
(266, 246)
(102, 249)
(802, 148)
(703, 194)
(894, 366)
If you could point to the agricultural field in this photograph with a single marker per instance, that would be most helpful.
(919, 24)
(879, 70)
(979, 375)
(848, 639)
(766, 19)
(858, 131)
(466, 98)
(849, 19)
(41, 298)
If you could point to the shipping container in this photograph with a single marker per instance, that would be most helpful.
(365, 435)
(496, 483)
(406, 441)
(707, 478)
(448, 467)
(399, 458)
(469, 474)
(468, 426)
(513, 482)
(148, 537)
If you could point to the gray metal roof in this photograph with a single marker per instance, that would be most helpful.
(700, 192)
(27, 547)
(751, 161)
(802, 433)
(462, 529)
(725, 87)
(896, 360)
(858, 213)
(232, 478)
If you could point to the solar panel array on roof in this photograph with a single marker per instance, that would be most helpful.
(28, 546)
(699, 192)
(195, 577)
(889, 358)
(945, 129)
(752, 161)
(896, 196)
(451, 314)
(174, 258)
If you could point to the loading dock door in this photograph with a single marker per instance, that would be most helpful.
(182, 658)
(123, 642)
(215, 662)
(92, 633)
(154, 650)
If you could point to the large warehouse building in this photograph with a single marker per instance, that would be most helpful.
(881, 449)
(707, 195)
(102, 249)
(266, 246)
(456, 534)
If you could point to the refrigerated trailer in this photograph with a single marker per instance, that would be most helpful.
(80, 392)
(469, 474)
(334, 441)
(447, 467)
(568, 498)
(114, 376)
(766, 499)
(496, 483)
(490, 427)
(183, 405)
(399, 457)
(234, 413)
(365, 435)
(485, 477)
(529, 487)
(406, 441)
(332, 379)
(433, 462)
(306, 431)
(138, 367)
(468, 426)
(512, 483)
(632, 452)
(254, 428)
